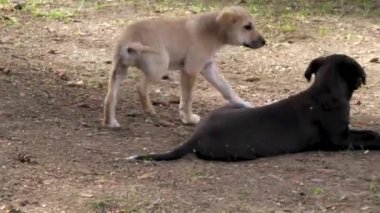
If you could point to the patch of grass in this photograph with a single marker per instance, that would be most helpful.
(95, 82)
(130, 204)
(270, 8)
(288, 27)
(199, 7)
(103, 205)
(317, 191)
(4, 2)
(37, 9)
(98, 5)
(375, 189)
(6, 6)
(55, 14)
(197, 174)
(274, 16)
(323, 31)
(13, 20)
(309, 7)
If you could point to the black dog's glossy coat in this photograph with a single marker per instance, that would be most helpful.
(315, 119)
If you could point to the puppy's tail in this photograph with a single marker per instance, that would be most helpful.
(129, 52)
(177, 153)
(137, 48)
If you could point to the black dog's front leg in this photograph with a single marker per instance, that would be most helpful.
(363, 139)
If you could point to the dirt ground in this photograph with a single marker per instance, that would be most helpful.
(56, 157)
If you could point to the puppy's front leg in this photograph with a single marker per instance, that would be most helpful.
(212, 75)
(188, 80)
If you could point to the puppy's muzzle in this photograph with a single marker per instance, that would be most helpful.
(257, 43)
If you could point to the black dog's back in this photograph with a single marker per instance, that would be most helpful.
(236, 129)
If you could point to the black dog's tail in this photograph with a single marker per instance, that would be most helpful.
(177, 153)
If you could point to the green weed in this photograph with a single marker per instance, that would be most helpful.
(317, 191)
(375, 189)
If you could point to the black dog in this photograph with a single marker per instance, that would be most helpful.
(315, 119)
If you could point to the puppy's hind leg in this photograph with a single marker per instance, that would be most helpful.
(153, 67)
(143, 88)
(117, 75)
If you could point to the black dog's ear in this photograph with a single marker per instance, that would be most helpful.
(361, 80)
(313, 67)
(353, 73)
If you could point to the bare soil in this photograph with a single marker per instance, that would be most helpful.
(56, 157)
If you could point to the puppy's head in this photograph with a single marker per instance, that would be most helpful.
(331, 69)
(239, 27)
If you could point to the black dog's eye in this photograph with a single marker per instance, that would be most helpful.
(248, 26)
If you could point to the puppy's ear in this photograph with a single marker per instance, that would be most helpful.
(313, 67)
(227, 16)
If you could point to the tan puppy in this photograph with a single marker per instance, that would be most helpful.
(187, 44)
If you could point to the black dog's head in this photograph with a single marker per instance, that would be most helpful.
(331, 69)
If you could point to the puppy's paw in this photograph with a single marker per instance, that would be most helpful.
(246, 104)
(239, 101)
(113, 124)
(149, 110)
(193, 119)
(151, 113)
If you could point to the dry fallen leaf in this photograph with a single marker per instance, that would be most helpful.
(75, 83)
(252, 79)
(375, 60)
(146, 176)
(5, 70)
(86, 195)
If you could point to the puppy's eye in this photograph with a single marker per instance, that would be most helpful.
(248, 26)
